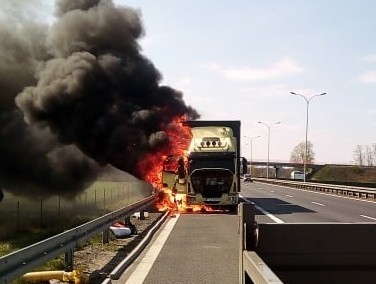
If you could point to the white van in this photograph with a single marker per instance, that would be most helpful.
(297, 175)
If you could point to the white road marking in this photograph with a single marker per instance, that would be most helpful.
(289, 195)
(272, 191)
(143, 268)
(318, 203)
(263, 211)
(368, 217)
(270, 215)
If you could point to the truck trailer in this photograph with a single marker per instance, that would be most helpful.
(210, 173)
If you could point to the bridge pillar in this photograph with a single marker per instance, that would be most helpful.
(276, 171)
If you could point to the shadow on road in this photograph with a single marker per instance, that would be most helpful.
(278, 206)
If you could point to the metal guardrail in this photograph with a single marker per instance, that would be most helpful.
(359, 192)
(126, 262)
(22, 261)
(257, 270)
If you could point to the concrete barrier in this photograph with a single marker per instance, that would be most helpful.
(310, 253)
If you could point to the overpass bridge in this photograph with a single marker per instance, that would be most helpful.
(280, 169)
(284, 164)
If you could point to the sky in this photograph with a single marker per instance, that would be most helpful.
(239, 60)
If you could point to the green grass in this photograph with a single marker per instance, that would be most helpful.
(346, 174)
(24, 221)
(31, 235)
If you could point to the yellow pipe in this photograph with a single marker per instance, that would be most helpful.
(73, 276)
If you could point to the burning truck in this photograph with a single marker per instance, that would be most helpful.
(208, 176)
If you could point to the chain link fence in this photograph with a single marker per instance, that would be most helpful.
(20, 214)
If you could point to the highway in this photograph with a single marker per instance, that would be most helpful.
(203, 248)
(289, 205)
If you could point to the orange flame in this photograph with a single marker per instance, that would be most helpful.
(152, 166)
(179, 138)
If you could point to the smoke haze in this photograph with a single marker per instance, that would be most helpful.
(76, 96)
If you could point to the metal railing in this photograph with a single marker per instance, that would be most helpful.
(359, 192)
(18, 263)
(18, 212)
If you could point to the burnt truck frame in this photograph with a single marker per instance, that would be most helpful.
(213, 176)
(210, 176)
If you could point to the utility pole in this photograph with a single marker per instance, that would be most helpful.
(250, 140)
(268, 126)
(306, 130)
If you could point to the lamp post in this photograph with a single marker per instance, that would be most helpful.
(268, 126)
(306, 130)
(250, 140)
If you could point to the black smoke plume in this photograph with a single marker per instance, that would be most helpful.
(78, 95)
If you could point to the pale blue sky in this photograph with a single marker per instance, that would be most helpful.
(239, 60)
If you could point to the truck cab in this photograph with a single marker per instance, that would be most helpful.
(209, 174)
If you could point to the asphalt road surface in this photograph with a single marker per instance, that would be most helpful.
(203, 248)
(191, 248)
(289, 205)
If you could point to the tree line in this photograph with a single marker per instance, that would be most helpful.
(298, 154)
(365, 155)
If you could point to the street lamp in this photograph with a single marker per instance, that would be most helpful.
(306, 132)
(268, 126)
(251, 139)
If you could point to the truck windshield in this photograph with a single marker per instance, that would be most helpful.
(212, 160)
(211, 182)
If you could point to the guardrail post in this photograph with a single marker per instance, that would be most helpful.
(106, 236)
(69, 260)
(247, 238)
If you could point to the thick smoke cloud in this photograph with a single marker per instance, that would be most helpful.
(79, 95)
